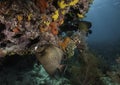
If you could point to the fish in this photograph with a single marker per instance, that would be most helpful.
(50, 57)
(85, 23)
(82, 25)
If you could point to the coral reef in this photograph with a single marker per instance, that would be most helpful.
(28, 25)
(53, 31)
(113, 75)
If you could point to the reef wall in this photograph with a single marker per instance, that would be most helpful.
(51, 30)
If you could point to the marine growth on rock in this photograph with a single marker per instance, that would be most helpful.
(37, 27)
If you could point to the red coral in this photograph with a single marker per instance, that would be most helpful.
(16, 30)
(54, 28)
(42, 5)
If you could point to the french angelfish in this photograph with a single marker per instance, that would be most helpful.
(50, 57)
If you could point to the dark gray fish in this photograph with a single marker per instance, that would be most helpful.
(76, 25)
(50, 57)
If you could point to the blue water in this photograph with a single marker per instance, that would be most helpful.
(105, 18)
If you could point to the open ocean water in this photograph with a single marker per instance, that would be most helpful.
(105, 18)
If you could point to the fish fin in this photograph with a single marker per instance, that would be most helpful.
(62, 69)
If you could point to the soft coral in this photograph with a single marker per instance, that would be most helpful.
(53, 27)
